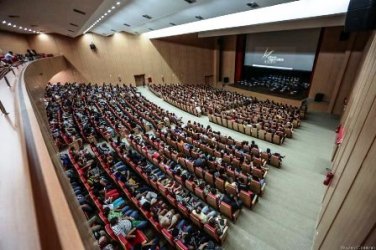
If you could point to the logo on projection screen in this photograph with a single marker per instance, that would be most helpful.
(269, 58)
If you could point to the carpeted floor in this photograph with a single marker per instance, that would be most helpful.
(285, 216)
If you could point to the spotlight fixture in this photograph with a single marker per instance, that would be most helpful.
(4, 22)
(117, 3)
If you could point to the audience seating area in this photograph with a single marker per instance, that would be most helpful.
(198, 100)
(266, 120)
(132, 160)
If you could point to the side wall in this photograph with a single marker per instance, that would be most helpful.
(121, 56)
(348, 215)
(12, 42)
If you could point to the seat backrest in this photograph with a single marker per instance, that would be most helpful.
(231, 190)
(247, 130)
(255, 186)
(209, 178)
(195, 220)
(200, 193)
(246, 197)
(226, 209)
(276, 139)
(212, 200)
(220, 184)
(199, 172)
(190, 166)
(275, 161)
(268, 136)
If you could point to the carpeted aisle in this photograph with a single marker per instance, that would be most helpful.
(285, 216)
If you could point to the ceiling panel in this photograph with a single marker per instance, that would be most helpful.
(175, 11)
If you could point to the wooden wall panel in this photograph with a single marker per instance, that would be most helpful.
(348, 213)
(126, 55)
(13, 42)
(229, 52)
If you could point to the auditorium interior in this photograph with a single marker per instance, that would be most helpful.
(188, 124)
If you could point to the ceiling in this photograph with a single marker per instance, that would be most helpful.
(49, 16)
(167, 13)
(58, 16)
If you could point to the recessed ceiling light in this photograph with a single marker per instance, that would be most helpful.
(117, 3)
(79, 11)
(25, 28)
(147, 16)
(20, 27)
(4, 21)
(29, 29)
(9, 24)
(109, 11)
(14, 26)
(102, 16)
(113, 7)
(105, 14)
(252, 5)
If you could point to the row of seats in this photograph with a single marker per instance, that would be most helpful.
(199, 99)
(147, 212)
(234, 175)
(209, 229)
(256, 132)
(171, 196)
(226, 207)
(248, 197)
(139, 236)
(215, 138)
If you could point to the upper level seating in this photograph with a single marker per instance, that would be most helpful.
(195, 171)
(199, 100)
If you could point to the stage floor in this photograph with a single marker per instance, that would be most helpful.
(299, 97)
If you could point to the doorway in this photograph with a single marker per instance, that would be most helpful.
(139, 80)
(209, 80)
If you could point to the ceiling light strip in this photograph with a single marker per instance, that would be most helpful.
(102, 17)
(15, 26)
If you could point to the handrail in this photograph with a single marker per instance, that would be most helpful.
(59, 217)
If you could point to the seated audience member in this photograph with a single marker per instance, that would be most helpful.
(126, 227)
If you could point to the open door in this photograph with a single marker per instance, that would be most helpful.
(139, 80)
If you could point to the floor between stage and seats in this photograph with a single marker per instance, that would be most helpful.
(285, 216)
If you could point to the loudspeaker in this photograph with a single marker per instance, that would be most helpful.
(319, 97)
(92, 46)
(361, 15)
(226, 79)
